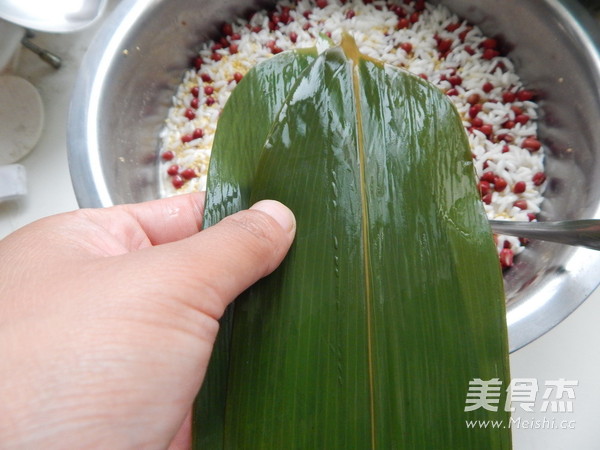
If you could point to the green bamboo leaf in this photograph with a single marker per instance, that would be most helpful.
(390, 300)
(243, 128)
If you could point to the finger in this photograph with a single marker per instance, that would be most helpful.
(211, 268)
(183, 438)
(168, 219)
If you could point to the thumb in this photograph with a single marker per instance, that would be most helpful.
(214, 266)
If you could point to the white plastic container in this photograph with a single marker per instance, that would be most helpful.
(21, 118)
(10, 45)
(13, 182)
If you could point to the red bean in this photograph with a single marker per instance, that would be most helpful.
(406, 46)
(522, 119)
(403, 23)
(525, 95)
(489, 53)
(488, 176)
(237, 76)
(484, 187)
(293, 36)
(285, 15)
(519, 187)
(489, 43)
(452, 27)
(188, 174)
(350, 14)
(187, 138)
(198, 133)
(455, 80)
(206, 78)
(509, 124)
(486, 129)
(531, 217)
(209, 90)
(476, 122)
(227, 29)
(195, 91)
(521, 204)
(168, 155)
(487, 87)
(210, 101)
(398, 10)
(233, 49)
(177, 181)
(500, 184)
(516, 109)
(473, 99)
(474, 110)
(487, 198)
(173, 170)
(463, 34)
(444, 45)
(506, 258)
(190, 114)
(321, 3)
(539, 178)
(508, 97)
(531, 144)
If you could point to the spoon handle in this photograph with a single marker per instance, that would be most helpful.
(45, 55)
(583, 233)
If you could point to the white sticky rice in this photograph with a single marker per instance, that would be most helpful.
(428, 40)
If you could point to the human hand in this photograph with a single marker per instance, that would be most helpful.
(108, 318)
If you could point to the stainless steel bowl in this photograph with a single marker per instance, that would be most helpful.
(137, 60)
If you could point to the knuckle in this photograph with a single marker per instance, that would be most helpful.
(257, 226)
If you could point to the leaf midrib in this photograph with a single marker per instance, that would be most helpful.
(351, 51)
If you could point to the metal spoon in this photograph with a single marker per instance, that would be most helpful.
(56, 17)
(582, 233)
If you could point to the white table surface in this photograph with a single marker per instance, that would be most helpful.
(570, 351)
